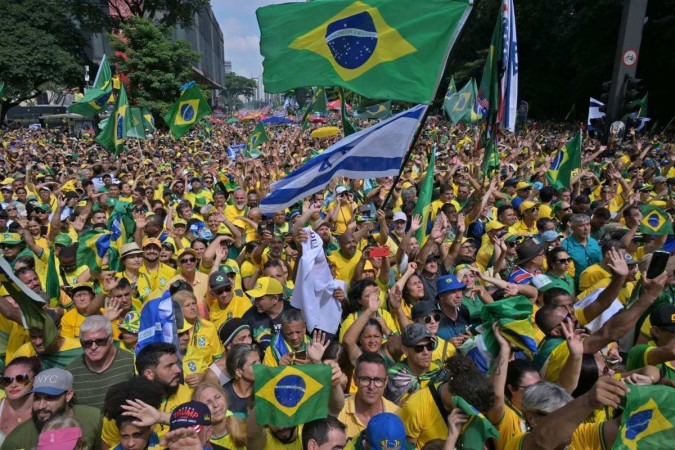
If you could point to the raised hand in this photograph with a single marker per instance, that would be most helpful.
(318, 347)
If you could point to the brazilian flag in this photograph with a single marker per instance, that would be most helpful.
(287, 396)
(379, 111)
(347, 127)
(93, 245)
(190, 107)
(568, 158)
(115, 132)
(255, 140)
(514, 315)
(94, 102)
(655, 221)
(148, 121)
(53, 282)
(387, 49)
(318, 104)
(648, 420)
(477, 429)
(460, 106)
(136, 130)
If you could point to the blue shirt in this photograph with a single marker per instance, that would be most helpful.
(449, 328)
(583, 256)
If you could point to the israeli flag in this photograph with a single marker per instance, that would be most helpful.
(235, 150)
(509, 83)
(157, 322)
(377, 151)
(594, 110)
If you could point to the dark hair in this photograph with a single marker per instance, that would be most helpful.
(554, 293)
(355, 292)
(149, 356)
(606, 246)
(32, 362)
(516, 371)
(68, 252)
(545, 317)
(588, 375)
(203, 241)
(272, 263)
(122, 283)
(602, 213)
(318, 429)
(547, 193)
(504, 208)
(136, 388)
(370, 358)
(552, 255)
(236, 357)
(469, 383)
(28, 260)
(542, 222)
(24, 270)
(405, 293)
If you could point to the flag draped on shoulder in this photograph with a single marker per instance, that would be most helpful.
(115, 132)
(387, 49)
(423, 205)
(477, 429)
(655, 221)
(190, 107)
(568, 158)
(257, 138)
(375, 152)
(648, 420)
(157, 322)
(287, 396)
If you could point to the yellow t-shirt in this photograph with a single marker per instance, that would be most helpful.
(203, 349)
(14, 335)
(345, 267)
(274, 444)
(28, 350)
(511, 424)
(388, 319)
(421, 418)
(71, 322)
(545, 211)
(344, 216)
(110, 434)
(444, 350)
(159, 278)
(354, 425)
(555, 363)
(239, 304)
(587, 437)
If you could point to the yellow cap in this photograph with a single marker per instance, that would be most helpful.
(266, 286)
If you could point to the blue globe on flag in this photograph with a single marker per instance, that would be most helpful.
(187, 112)
(352, 40)
(290, 390)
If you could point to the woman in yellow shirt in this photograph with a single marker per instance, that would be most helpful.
(228, 431)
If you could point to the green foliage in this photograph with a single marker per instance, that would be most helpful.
(155, 65)
(236, 85)
(41, 49)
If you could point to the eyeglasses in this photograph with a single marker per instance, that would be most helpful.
(223, 290)
(511, 244)
(366, 381)
(22, 378)
(99, 342)
(232, 275)
(420, 348)
(187, 260)
(564, 260)
(436, 318)
(534, 208)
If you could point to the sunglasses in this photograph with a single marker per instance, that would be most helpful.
(99, 342)
(564, 261)
(188, 260)
(22, 378)
(512, 244)
(436, 317)
(225, 289)
(420, 348)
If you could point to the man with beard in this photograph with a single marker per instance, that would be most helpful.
(52, 396)
(158, 272)
(157, 362)
(240, 207)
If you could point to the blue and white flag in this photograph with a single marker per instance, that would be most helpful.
(377, 151)
(157, 322)
(508, 106)
(235, 150)
(594, 110)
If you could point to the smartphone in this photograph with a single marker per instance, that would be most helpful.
(379, 252)
(365, 211)
(658, 264)
(302, 354)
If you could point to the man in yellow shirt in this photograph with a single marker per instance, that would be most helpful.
(223, 303)
(157, 272)
(346, 258)
(529, 212)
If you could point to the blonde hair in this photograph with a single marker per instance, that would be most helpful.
(64, 421)
(236, 428)
(183, 296)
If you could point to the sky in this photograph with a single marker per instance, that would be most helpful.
(241, 34)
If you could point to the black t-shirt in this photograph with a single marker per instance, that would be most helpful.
(236, 404)
(263, 326)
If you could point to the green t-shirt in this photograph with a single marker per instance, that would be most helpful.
(637, 360)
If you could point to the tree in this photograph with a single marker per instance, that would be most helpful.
(41, 50)
(155, 65)
(166, 12)
(236, 85)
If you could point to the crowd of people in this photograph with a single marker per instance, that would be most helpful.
(420, 310)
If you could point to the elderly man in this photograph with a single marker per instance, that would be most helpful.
(101, 365)
(291, 344)
(582, 248)
(187, 271)
(370, 373)
(52, 396)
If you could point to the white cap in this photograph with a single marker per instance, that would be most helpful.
(540, 281)
(400, 216)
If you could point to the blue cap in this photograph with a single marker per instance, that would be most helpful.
(448, 283)
(386, 431)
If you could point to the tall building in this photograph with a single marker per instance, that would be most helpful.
(228, 67)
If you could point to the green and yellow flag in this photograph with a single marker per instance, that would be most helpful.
(103, 80)
(115, 132)
(136, 130)
(387, 49)
(648, 420)
(287, 396)
(423, 205)
(460, 106)
(94, 102)
(318, 104)
(379, 111)
(655, 221)
(255, 140)
(148, 121)
(347, 127)
(190, 107)
(568, 158)
(477, 429)
(53, 281)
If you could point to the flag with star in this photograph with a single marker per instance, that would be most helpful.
(188, 109)
(460, 106)
(255, 140)
(655, 221)
(287, 396)
(387, 49)
(148, 121)
(648, 420)
(568, 158)
(115, 132)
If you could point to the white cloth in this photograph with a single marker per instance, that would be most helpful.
(607, 314)
(314, 287)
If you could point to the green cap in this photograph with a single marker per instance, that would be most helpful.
(63, 239)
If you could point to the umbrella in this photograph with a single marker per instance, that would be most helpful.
(335, 104)
(325, 132)
(274, 120)
(317, 119)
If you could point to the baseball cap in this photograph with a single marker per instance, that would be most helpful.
(10, 238)
(448, 283)
(400, 215)
(266, 286)
(544, 283)
(52, 382)
(341, 189)
(494, 225)
(151, 241)
(663, 316)
(60, 439)
(385, 431)
(522, 185)
(179, 222)
(423, 308)
(524, 206)
(83, 287)
(185, 250)
(232, 328)
(189, 415)
(219, 280)
(550, 236)
(63, 239)
(415, 332)
(660, 179)
(630, 260)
